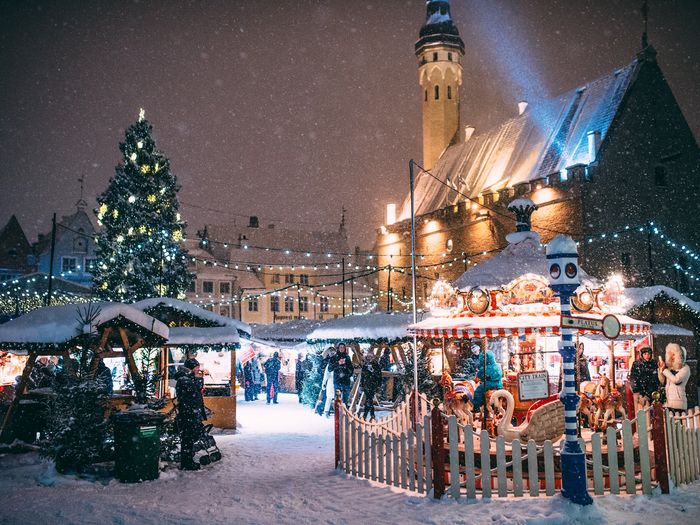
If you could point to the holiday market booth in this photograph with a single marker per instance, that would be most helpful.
(506, 306)
(212, 339)
(86, 331)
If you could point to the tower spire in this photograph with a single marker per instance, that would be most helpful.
(645, 18)
(81, 204)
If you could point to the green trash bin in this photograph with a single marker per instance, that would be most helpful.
(137, 445)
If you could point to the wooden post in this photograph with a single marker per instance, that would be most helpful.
(5, 431)
(631, 408)
(165, 376)
(438, 451)
(659, 439)
(336, 418)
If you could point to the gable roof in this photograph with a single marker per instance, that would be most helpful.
(549, 136)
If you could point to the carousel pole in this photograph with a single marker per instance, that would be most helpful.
(416, 403)
(562, 258)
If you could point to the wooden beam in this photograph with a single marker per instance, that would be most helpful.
(5, 430)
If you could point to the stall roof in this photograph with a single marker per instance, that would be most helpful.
(508, 325)
(295, 331)
(669, 329)
(195, 311)
(635, 297)
(203, 336)
(523, 255)
(368, 327)
(55, 326)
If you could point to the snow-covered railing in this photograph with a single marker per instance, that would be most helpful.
(683, 436)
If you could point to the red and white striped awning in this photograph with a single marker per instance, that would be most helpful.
(508, 326)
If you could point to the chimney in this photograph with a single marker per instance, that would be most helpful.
(390, 214)
(468, 132)
(522, 106)
(593, 145)
(254, 223)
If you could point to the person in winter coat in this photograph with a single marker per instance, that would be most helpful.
(385, 366)
(644, 380)
(257, 377)
(299, 375)
(248, 385)
(343, 370)
(190, 412)
(490, 378)
(674, 373)
(272, 374)
(103, 378)
(327, 389)
(371, 380)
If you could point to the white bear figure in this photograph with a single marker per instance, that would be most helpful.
(674, 373)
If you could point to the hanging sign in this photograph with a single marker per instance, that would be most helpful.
(533, 385)
(609, 325)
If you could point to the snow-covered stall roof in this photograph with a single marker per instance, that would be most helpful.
(510, 325)
(295, 331)
(369, 327)
(635, 297)
(669, 329)
(195, 311)
(203, 336)
(56, 326)
(523, 255)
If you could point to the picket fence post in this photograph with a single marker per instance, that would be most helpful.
(336, 417)
(438, 451)
(658, 437)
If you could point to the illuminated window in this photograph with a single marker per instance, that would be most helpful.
(69, 264)
(449, 92)
(323, 304)
(274, 304)
(252, 304)
(437, 92)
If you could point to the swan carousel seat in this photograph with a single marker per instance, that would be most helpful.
(545, 419)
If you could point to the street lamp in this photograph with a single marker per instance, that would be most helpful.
(413, 287)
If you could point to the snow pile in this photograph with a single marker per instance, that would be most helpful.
(375, 326)
(279, 469)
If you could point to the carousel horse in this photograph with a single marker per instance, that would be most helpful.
(609, 402)
(587, 405)
(458, 399)
(545, 419)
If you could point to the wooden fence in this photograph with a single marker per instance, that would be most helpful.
(439, 456)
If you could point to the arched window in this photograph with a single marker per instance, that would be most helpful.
(660, 173)
(449, 92)
(426, 95)
(437, 92)
(449, 57)
(435, 57)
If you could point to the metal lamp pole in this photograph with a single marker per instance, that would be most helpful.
(562, 259)
(413, 287)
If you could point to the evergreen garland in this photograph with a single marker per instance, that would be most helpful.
(139, 247)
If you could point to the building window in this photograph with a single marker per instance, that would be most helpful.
(426, 95)
(289, 304)
(274, 304)
(69, 264)
(90, 264)
(252, 304)
(191, 287)
(303, 304)
(323, 304)
(275, 278)
(660, 173)
(449, 57)
(437, 92)
(435, 57)
(449, 92)
(225, 311)
(289, 278)
(304, 279)
(207, 286)
(224, 287)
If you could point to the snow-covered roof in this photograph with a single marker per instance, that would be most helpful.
(57, 325)
(524, 255)
(635, 297)
(549, 136)
(375, 326)
(669, 329)
(216, 335)
(194, 310)
(292, 331)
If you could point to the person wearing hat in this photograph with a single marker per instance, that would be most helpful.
(644, 380)
(190, 413)
(272, 373)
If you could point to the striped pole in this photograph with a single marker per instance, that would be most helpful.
(562, 258)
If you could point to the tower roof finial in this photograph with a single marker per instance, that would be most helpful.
(645, 17)
(81, 204)
(439, 27)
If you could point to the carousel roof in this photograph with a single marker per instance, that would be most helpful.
(368, 327)
(55, 326)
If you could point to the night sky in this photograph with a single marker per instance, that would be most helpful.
(287, 110)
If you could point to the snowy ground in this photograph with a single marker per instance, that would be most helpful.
(279, 469)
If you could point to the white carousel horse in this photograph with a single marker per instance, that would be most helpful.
(543, 422)
(609, 402)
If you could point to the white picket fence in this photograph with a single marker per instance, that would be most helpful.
(390, 451)
(683, 438)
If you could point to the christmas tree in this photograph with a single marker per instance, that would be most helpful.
(139, 247)
(426, 382)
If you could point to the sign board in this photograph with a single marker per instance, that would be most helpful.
(533, 385)
(609, 325)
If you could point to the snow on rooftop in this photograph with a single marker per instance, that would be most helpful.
(380, 325)
(292, 331)
(216, 335)
(669, 329)
(561, 244)
(193, 310)
(635, 297)
(57, 325)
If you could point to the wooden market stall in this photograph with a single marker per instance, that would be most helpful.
(213, 339)
(373, 333)
(89, 331)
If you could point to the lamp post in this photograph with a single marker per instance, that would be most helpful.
(413, 287)
(562, 259)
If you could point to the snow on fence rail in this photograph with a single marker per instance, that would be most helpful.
(440, 456)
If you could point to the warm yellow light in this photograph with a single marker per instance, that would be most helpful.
(145, 169)
(142, 229)
(115, 213)
(104, 286)
(132, 156)
(177, 235)
(151, 199)
(390, 214)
